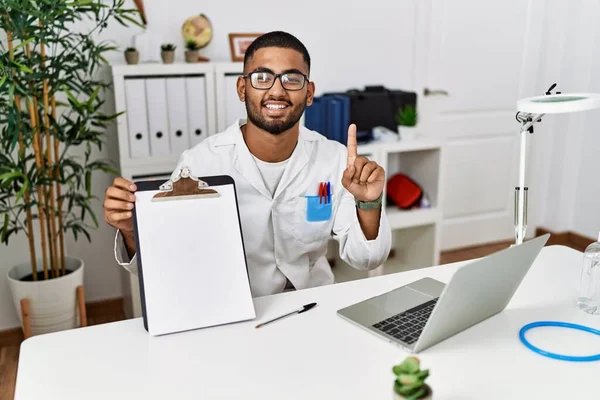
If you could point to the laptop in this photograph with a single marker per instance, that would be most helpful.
(426, 312)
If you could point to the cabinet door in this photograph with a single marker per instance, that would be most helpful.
(196, 108)
(471, 68)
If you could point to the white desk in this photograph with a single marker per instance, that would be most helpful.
(317, 355)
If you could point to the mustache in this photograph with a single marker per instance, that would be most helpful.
(281, 100)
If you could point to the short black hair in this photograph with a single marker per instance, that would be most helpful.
(277, 39)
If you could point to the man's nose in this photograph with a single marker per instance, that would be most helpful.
(278, 90)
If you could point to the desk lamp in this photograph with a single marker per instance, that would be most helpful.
(529, 111)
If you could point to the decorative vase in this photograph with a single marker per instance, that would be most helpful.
(132, 57)
(427, 396)
(191, 56)
(407, 132)
(52, 302)
(168, 56)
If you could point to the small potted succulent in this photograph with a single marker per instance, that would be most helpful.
(132, 56)
(406, 119)
(410, 381)
(191, 53)
(167, 53)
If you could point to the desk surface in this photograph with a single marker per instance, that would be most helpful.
(318, 355)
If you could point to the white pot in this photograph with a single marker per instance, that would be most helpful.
(53, 302)
(407, 132)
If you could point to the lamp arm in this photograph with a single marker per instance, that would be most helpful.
(521, 197)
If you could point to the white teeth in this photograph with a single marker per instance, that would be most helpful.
(275, 106)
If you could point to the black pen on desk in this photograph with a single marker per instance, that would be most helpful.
(298, 311)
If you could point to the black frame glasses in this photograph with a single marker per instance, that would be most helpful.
(281, 77)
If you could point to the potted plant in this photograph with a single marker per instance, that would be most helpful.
(191, 53)
(406, 119)
(167, 53)
(50, 123)
(410, 381)
(132, 56)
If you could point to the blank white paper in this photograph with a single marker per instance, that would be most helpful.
(192, 260)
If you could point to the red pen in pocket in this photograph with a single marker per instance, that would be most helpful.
(321, 192)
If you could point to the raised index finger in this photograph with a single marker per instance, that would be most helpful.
(352, 147)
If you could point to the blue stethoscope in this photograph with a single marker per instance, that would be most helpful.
(538, 324)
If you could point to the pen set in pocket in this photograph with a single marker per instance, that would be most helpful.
(318, 208)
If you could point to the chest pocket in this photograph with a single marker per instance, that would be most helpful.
(313, 221)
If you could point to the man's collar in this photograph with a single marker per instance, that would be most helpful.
(233, 134)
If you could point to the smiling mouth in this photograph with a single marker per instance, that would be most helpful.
(274, 109)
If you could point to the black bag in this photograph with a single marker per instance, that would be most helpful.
(376, 106)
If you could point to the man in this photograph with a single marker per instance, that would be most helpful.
(275, 163)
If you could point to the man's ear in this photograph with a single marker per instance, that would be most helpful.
(310, 95)
(241, 88)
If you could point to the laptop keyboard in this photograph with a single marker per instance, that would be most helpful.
(408, 325)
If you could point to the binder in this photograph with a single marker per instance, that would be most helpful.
(344, 118)
(177, 111)
(196, 109)
(156, 97)
(313, 116)
(192, 265)
(135, 100)
(334, 111)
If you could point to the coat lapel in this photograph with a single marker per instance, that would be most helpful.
(297, 162)
(245, 164)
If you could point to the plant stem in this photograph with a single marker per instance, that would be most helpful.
(26, 198)
(51, 167)
(32, 104)
(58, 195)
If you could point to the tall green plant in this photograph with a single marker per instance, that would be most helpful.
(50, 103)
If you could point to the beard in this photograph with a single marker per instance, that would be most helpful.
(278, 125)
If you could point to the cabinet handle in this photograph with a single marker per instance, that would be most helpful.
(429, 92)
(178, 133)
(159, 134)
(138, 136)
(198, 132)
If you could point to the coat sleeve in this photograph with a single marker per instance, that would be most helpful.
(121, 256)
(354, 247)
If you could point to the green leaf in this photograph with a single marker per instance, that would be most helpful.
(23, 189)
(22, 67)
(10, 175)
(88, 183)
(23, 44)
(417, 394)
(407, 379)
(3, 79)
(5, 229)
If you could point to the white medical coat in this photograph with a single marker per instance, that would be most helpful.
(299, 245)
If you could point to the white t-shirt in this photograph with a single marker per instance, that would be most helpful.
(271, 173)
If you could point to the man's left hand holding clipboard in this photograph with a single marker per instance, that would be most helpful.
(118, 205)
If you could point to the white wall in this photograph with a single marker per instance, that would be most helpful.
(351, 43)
(565, 145)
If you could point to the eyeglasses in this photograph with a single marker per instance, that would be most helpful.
(265, 80)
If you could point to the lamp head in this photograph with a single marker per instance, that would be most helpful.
(559, 103)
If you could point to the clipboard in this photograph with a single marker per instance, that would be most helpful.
(192, 263)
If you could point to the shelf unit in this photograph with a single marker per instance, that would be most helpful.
(415, 232)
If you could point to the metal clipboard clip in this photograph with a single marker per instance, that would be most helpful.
(183, 187)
